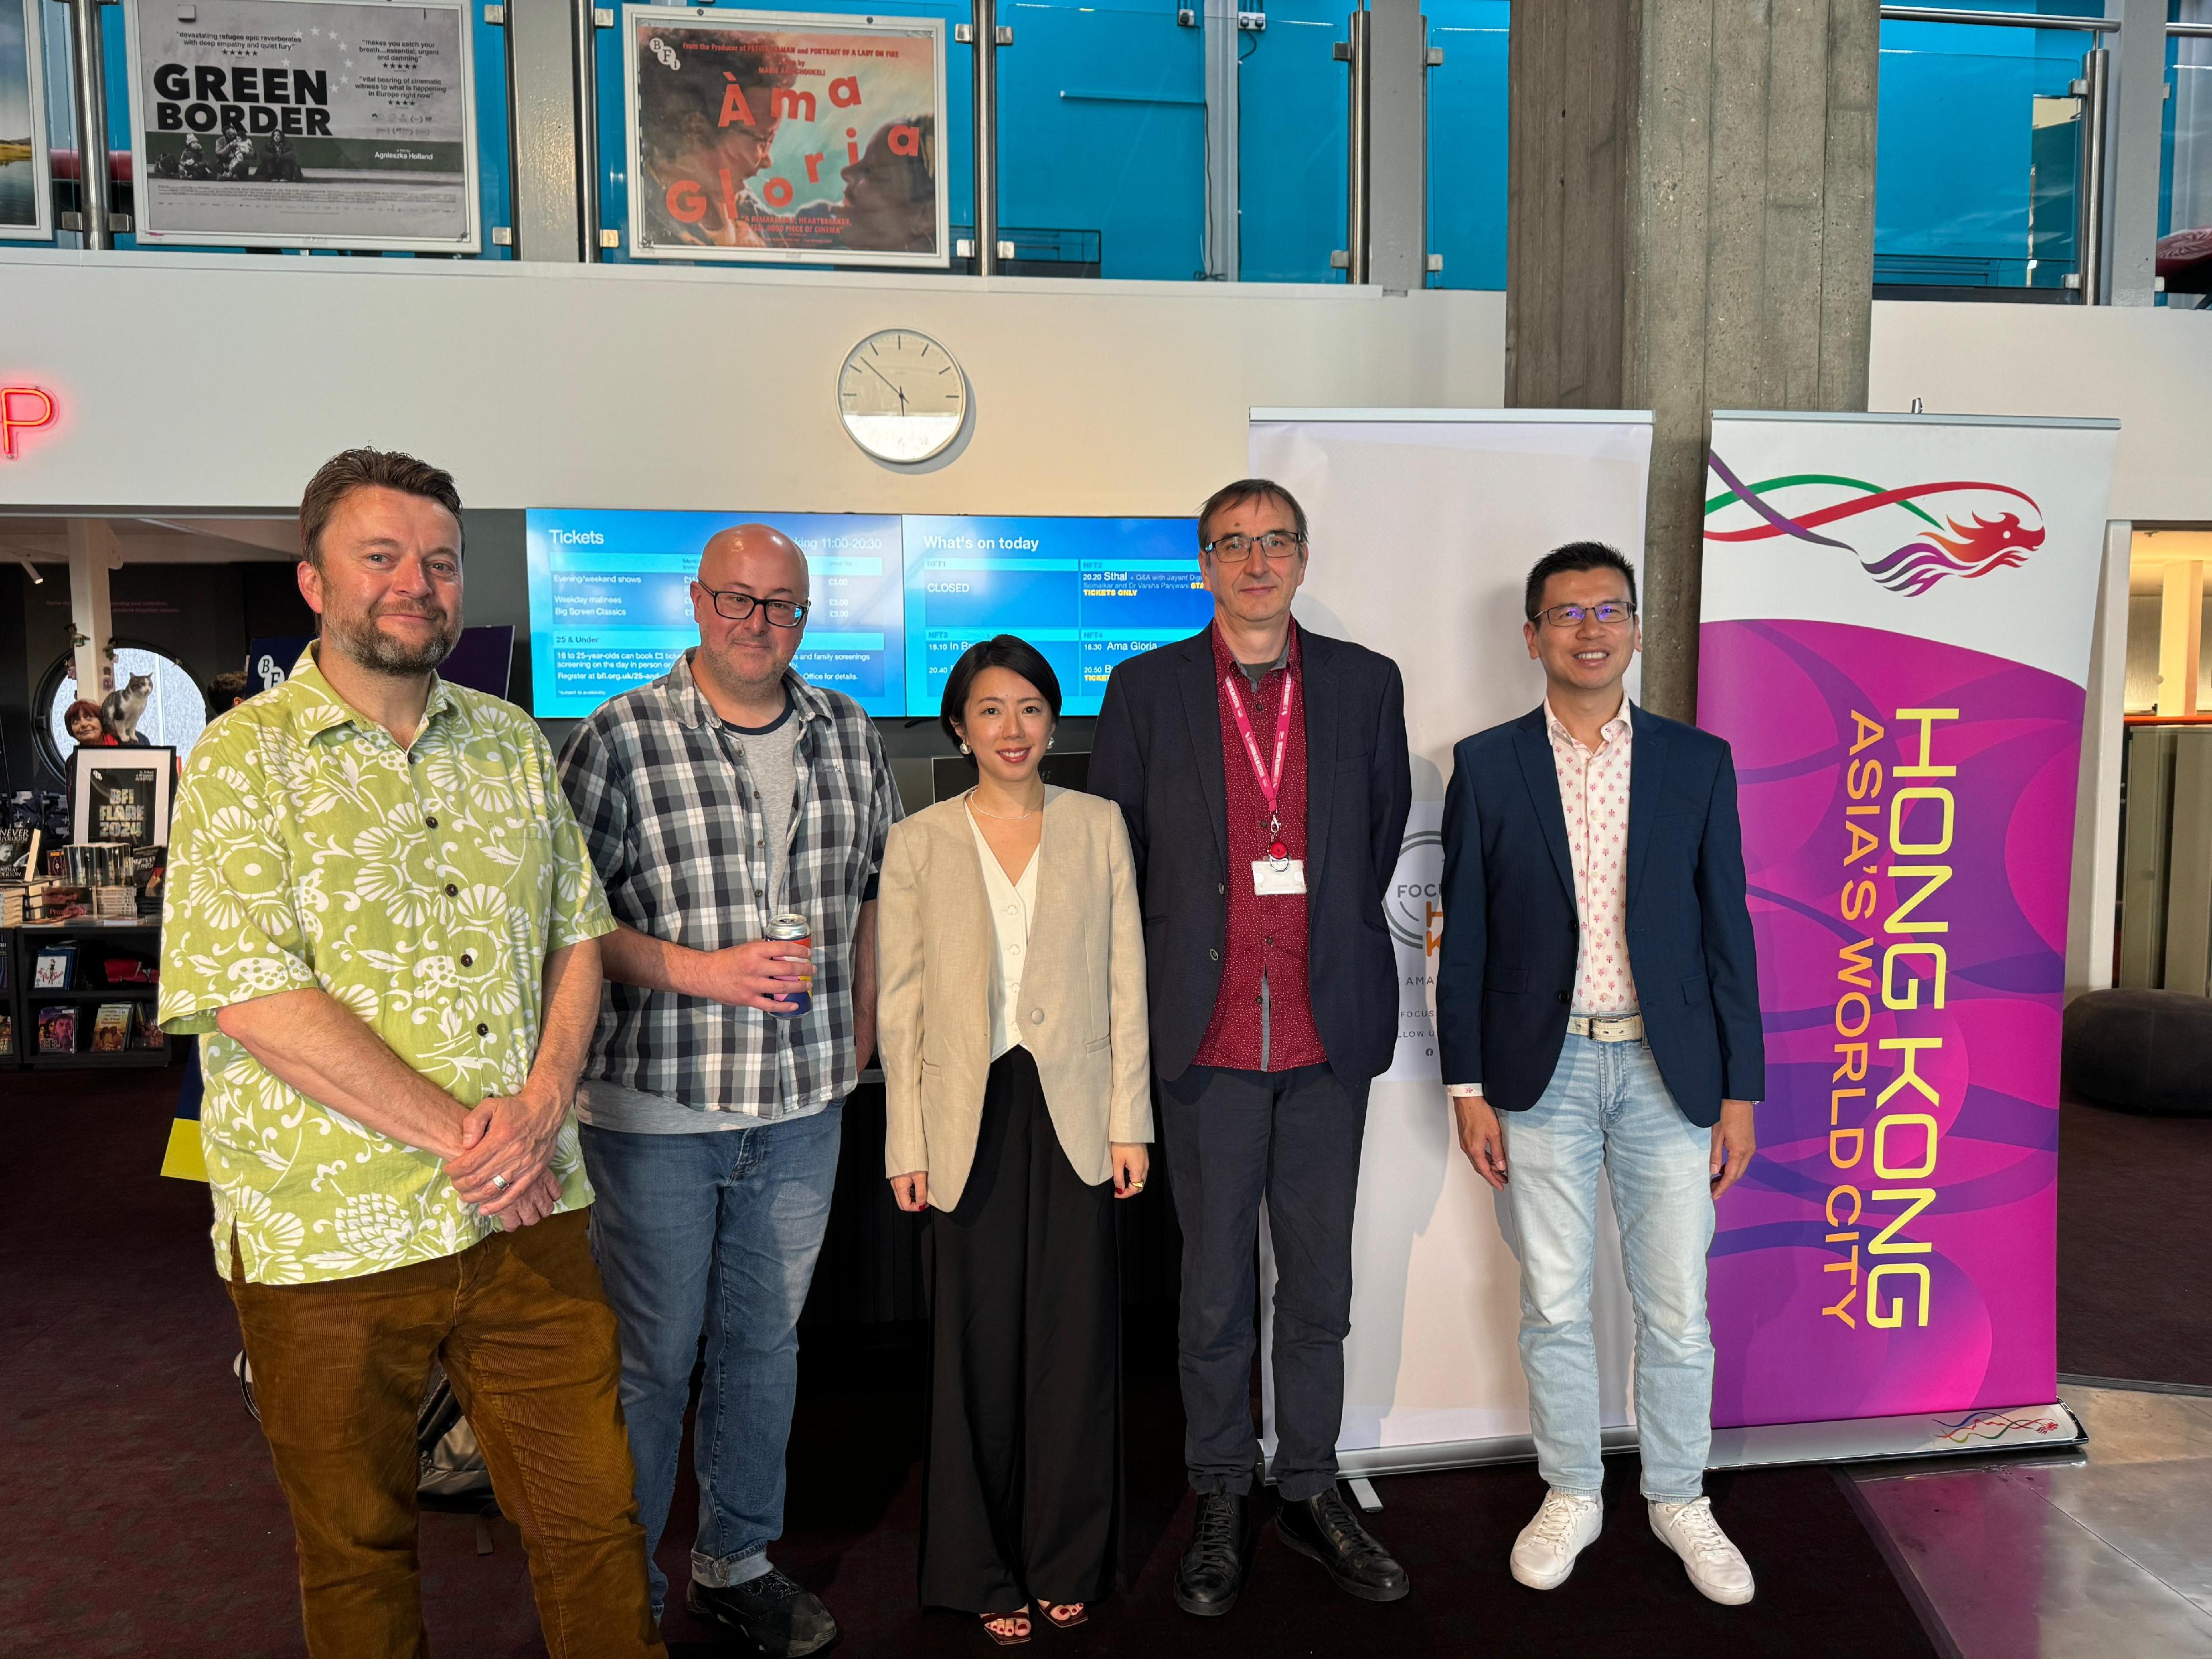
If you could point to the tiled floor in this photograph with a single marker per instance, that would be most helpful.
(2107, 1555)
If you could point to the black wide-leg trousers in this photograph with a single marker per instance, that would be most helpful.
(1022, 1477)
(1292, 1139)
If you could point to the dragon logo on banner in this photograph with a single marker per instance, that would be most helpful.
(1963, 529)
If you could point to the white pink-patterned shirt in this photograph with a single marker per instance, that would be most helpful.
(1593, 794)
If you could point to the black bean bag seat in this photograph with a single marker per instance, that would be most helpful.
(2141, 1051)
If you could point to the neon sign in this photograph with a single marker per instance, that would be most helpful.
(22, 409)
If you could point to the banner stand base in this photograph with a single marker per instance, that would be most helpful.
(1852, 1440)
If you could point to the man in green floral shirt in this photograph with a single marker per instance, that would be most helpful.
(383, 922)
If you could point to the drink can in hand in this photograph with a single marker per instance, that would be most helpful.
(792, 929)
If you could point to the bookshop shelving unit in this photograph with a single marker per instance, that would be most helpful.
(85, 993)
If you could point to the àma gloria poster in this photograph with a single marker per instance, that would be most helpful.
(786, 138)
(304, 124)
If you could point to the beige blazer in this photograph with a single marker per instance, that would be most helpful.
(1082, 1011)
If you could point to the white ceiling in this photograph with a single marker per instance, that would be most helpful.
(158, 541)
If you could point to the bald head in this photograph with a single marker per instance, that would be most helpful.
(765, 562)
(741, 660)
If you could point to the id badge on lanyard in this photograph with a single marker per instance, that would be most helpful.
(1278, 872)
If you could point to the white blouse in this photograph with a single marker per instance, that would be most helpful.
(1013, 903)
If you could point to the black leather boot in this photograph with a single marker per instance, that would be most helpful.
(1324, 1528)
(1220, 1550)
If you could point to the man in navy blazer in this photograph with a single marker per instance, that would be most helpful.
(1597, 986)
(1263, 774)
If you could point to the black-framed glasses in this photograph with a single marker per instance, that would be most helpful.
(1277, 544)
(781, 613)
(1611, 612)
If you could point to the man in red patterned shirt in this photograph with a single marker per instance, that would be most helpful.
(1263, 769)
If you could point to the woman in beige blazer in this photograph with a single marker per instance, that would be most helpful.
(1011, 976)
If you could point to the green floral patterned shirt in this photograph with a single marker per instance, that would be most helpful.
(423, 888)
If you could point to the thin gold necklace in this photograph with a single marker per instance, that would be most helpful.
(1002, 818)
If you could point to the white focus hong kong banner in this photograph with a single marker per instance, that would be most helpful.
(1423, 524)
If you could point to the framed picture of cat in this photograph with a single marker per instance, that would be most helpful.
(121, 794)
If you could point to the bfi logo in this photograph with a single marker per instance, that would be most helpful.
(23, 409)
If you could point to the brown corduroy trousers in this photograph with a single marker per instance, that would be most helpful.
(525, 1335)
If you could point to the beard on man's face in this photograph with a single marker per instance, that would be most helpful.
(357, 634)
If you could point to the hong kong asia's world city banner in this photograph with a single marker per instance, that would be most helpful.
(1896, 631)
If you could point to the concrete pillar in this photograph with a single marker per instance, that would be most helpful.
(2131, 189)
(1690, 227)
(541, 58)
(1397, 140)
(2181, 638)
(93, 552)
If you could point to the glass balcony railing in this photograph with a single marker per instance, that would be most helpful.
(1467, 142)
(1978, 164)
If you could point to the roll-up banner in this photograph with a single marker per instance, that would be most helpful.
(1895, 641)
(1423, 524)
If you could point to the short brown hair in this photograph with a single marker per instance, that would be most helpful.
(362, 469)
(1250, 489)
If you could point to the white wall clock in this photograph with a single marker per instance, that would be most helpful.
(901, 395)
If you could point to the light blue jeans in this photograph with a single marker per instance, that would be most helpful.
(1605, 1108)
(719, 1230)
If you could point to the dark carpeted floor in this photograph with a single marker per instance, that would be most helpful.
(2135, 1250)
(139, 1515)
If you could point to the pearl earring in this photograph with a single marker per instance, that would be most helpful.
(1049, 742)
(963, 748)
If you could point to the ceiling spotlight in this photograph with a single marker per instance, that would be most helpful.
(37, 581)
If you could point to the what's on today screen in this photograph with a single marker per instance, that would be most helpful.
(895, 600)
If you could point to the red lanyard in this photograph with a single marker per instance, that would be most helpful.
(1271, 783)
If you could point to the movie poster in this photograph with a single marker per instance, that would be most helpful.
(303, 123)
(786, 138)
(26, 188)
(122, 794)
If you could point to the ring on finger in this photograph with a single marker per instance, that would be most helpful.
(499, 1183)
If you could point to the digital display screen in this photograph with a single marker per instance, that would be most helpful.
(1085, 592)
(610, 602)
(895, 600)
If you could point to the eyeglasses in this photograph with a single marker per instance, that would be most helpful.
(781, 613)
(1611, 612)
(1277, 544)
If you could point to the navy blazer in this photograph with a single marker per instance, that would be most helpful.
(1505, 971)
(1158, 752)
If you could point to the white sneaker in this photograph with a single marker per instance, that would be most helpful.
(1544, 1554)
(1717, 1567)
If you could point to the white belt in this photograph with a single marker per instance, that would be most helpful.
(1600, 1028)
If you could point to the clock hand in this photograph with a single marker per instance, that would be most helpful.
(888, 381)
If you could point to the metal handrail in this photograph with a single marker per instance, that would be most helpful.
(2190, 31)
(1361, 88)
(588, 127)
(2012, 20)
(2089, 239)
(89, 95)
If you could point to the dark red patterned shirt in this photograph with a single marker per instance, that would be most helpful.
(1267, 934)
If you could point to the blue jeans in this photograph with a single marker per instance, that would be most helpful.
(1606, 1106)
(719, 1230)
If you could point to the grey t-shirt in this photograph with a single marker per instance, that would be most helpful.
(772, 760)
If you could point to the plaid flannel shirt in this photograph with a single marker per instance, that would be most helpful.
(670, 815)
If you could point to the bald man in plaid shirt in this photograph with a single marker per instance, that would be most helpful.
(722, 794)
